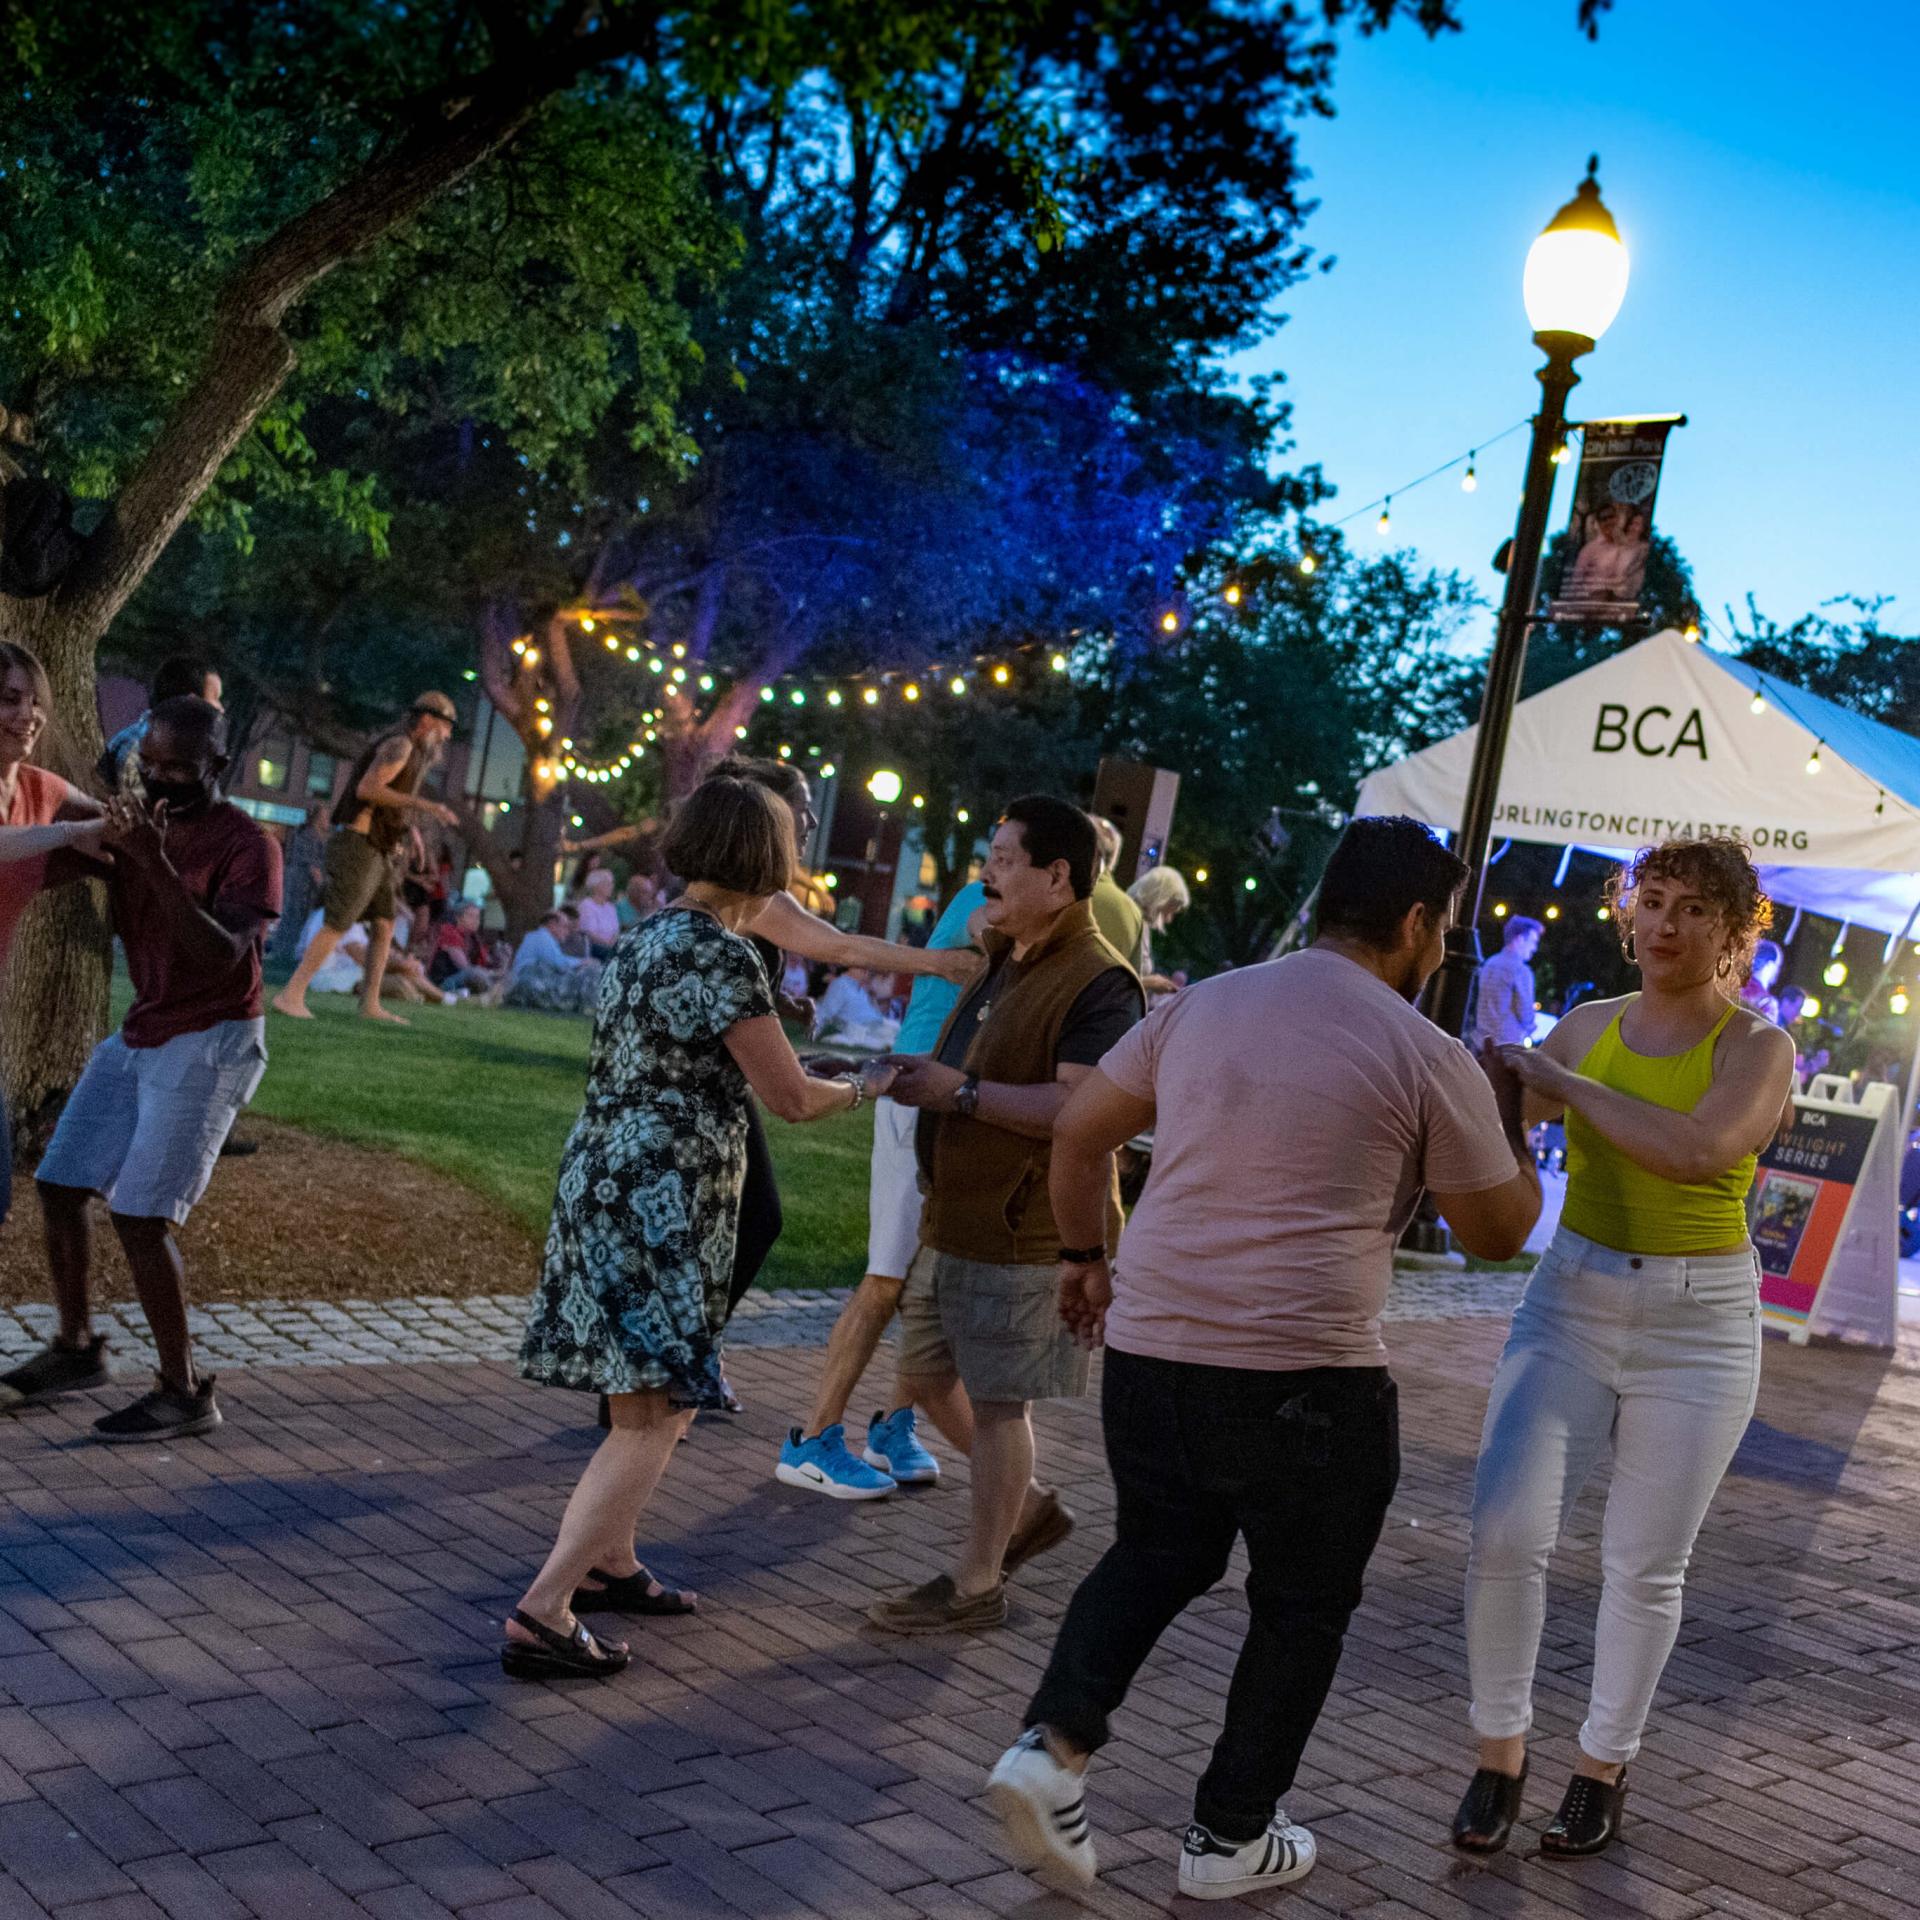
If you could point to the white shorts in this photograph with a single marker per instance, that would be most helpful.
(145, 1125)
(893, 1192)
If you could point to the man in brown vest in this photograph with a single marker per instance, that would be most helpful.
(380, 800)
(981, 1337)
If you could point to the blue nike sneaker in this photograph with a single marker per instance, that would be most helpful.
(823, 1465)
(894, 1447)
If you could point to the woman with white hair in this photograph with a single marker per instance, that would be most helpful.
(1160, 893)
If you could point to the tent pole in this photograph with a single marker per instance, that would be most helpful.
(1886, 967)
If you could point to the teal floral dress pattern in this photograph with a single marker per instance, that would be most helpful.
(633, 1287)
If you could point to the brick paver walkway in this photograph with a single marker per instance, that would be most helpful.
(257, 1675)
(326, 1333)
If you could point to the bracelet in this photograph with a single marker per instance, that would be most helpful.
(1082, 1256)
(859, 1092)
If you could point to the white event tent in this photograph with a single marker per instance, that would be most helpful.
(1670, 738)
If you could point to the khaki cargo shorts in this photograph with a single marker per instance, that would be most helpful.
(997, 1327)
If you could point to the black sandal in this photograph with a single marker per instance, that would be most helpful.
(559, 1656)
(1589, 1817)
(1488, 1810)
(630, 1593)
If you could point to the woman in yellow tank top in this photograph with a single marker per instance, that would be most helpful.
(1639, 1328)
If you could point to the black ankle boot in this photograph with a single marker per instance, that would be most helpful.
(1487, 1814)
(1589, 1816)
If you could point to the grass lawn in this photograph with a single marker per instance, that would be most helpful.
(488, 1096)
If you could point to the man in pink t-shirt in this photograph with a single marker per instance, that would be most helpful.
(1298, 1109)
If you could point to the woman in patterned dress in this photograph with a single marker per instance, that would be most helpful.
(633, 1292)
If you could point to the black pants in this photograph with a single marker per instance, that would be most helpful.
(760, 1215)
(1304, 1465)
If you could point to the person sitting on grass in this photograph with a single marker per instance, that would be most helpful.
(194, 886)
(459, 962)
(548, 978)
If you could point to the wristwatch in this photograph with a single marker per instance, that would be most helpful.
(966, 1096)
(1082, 1256)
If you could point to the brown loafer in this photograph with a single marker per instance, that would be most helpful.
(1050, 1525)
(937, 1608)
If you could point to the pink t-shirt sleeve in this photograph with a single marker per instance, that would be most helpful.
(1130, 1061)
(1463, 1149)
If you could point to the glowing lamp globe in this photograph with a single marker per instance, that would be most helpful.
(885, 786)
(1576, 272)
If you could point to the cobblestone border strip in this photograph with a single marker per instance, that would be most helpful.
(319, 1333)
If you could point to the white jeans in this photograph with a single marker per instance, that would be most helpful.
(1659, 1356)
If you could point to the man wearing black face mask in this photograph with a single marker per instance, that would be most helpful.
(195, 885)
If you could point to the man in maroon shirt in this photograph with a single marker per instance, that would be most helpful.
(195, 884)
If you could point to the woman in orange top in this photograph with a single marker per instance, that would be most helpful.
(40, 814)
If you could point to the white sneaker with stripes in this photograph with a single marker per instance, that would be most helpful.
(1213, 1869)
(1043, 1807)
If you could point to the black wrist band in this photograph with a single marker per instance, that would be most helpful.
(1082, 1256)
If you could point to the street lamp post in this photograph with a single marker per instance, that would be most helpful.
(1575, 280)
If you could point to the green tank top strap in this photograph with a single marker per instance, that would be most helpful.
(1615, 1201)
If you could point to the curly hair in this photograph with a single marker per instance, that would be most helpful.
(1722, 872)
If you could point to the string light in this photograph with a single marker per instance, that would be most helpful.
(833, 696)
(1691, 633)
(1758, 704)
(1553, 913)
(656, 665)
(1249, 883)
(1897, 1002)
(613, 644)
(1385, 523)
(956, 686)
(1813, 759)
(633, 656)
(586, 623)
(706, 683)
(1002, 674)
(911, 691)
(1058, 663)
(531, 656)
(1307, 563)
(962, 815)
(1499, 909)
(766, 696)
(1230, 593)
(1200, 874)
(1470, 480)
(827, 772)
(1605, 913)
(1811, 1009)
(1169, 622)
(871, 695)
(1835, 974)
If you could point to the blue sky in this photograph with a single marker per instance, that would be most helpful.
(1759, 159)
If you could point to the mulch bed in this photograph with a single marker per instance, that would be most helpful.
(306, 1219)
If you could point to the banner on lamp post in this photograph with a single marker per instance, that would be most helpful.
(1610, 537)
